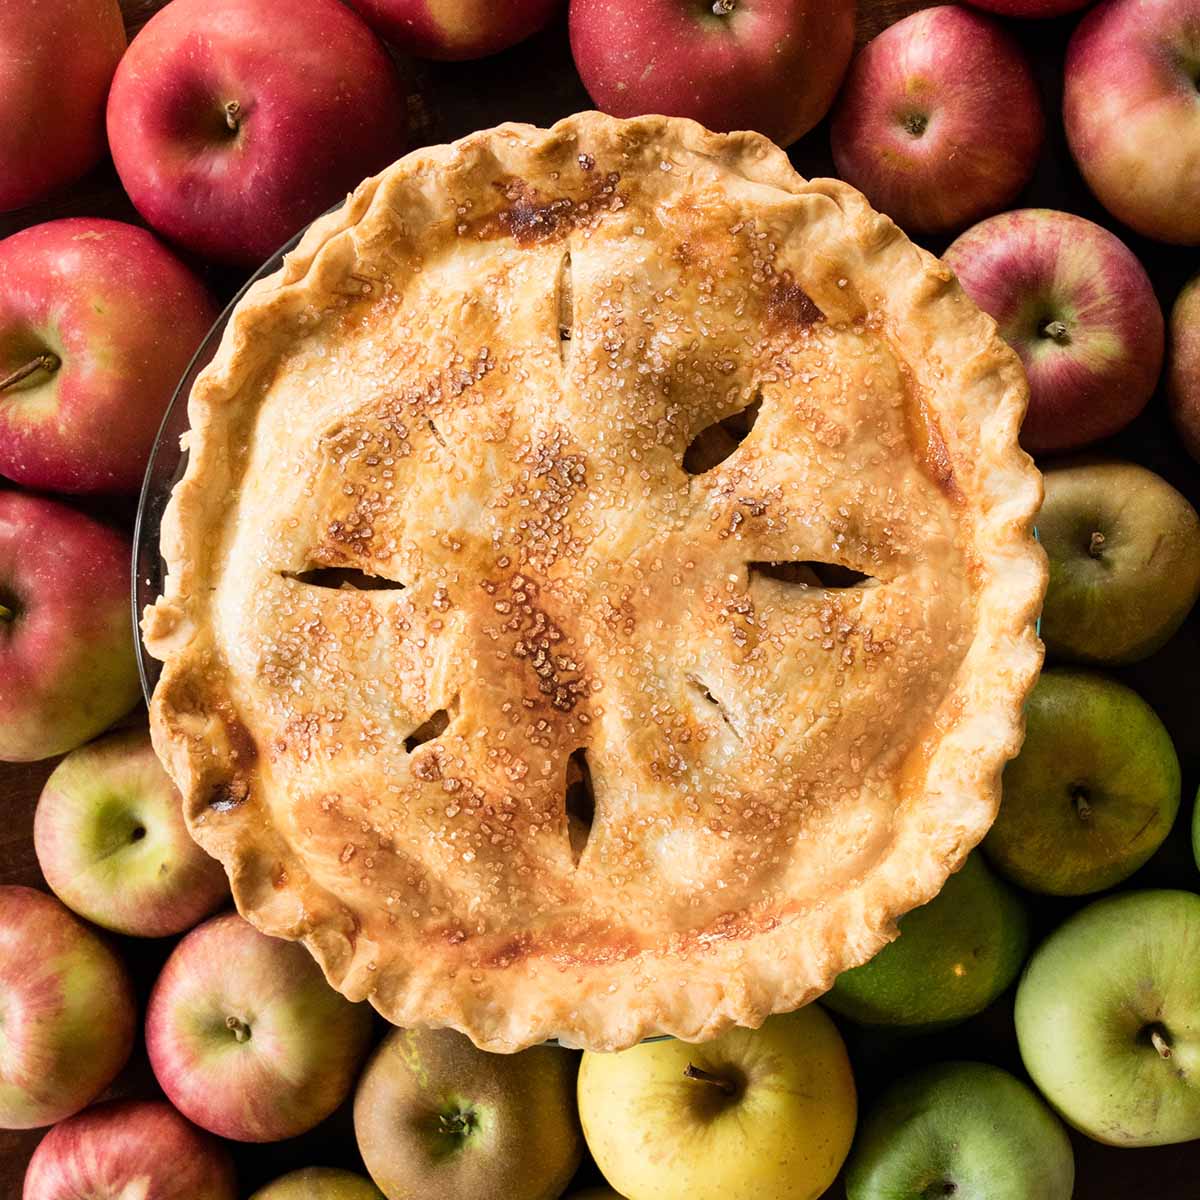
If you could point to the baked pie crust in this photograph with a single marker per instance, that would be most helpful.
(615, 453)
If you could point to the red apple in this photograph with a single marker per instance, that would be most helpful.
(233, 123)
(87, 362)
(246, 1037)
(129, 1150)
(1030, 8)
(57, 59)
(112, 843)
(1183, 375)
(1133, 115)
(67, 1014)
(939, 122)
(1076, 305)
(67, 666)
(455, 29)
(770, 65)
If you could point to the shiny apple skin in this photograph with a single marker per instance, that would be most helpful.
(1183, 373)
(454, 30)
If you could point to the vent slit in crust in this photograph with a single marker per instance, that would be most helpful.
(714, 444)
(566, 306)
(343, 579)
(829, 576)
(705, 693)
(434, 727)
(580, 801)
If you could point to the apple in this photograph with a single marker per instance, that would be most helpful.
(757, 1112)
(939, 121)
(435, 1116)
(1132, 116)
(67, 1014)
(1093, 793)
(56, 62)
(67, 667)
(1036, 9)
(87, 363)
(1072, 300)
(111, 841)
(1108, 1018)
(233, 123)
(455, 29)
(961, 1128)
(769, 65)
(1183, 372)
(952, 958)
(1124, 551)
(245, 1036)
(319, 1183)
(131, 1150)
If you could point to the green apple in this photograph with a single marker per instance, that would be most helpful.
(112, 843)
(1108, 1018)
(1124, 551)
(757, 1112)
(435, 1116)
(961, 1129)
(953, 957)
(1093, 793)
(319, 1183)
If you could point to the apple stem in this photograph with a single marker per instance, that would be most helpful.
(1160, 1043)
(1057, 331)
(1083, 810)
(233, 115)
(722, 8)
(1096, 544)
(697, 1073)
(240, 1030)
(43, 362)
(6, 613)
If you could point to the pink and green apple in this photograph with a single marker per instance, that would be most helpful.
(56, 62)
(67, 1013)
(233, 123)
(87, 361)
(111, 841)
(319, 1183)
(455, 29)
(1183, 373)
(769, 65)
(67, 668)
(1072, 300)
(245, 1036)
(1033, 9)
(939, 122)
(129, 1150)
(1132, 113)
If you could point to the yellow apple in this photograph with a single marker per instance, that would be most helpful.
(766, 1112)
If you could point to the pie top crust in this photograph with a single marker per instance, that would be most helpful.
(508, 382)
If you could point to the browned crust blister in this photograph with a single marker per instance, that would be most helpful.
(609, 989)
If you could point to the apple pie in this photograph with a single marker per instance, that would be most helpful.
(601, 595)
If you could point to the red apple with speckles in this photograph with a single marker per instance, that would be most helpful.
(455, 29)
(233, 123)
(1037, 9)
(939, 122)
(67, 667)
(245, 1036)
(769, 65)
(67, 1014)
(1079, 309)
(1183, 373)
(129, 1150)
(98, 321)
(1132, 112)
(57, 58)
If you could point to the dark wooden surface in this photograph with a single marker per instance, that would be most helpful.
(536, 82)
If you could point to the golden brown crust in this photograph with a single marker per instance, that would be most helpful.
(485, 379)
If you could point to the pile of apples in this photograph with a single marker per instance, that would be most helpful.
(231, 124)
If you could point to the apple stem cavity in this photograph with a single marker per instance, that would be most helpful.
(239, 1029)
(915, 124)
(701, 1076)
(45, 361)
(456, 1124)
